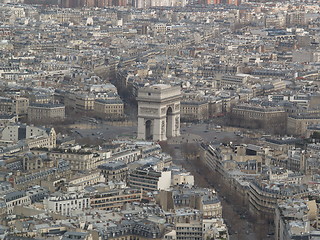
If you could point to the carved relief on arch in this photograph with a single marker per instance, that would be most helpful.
(163, 127)
(148, 110)
(177, 123)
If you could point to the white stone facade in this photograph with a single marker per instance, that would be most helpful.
(66, 204)
(158, 112)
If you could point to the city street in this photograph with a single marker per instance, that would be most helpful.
(190, 133)
(103, 131)
(239, 227)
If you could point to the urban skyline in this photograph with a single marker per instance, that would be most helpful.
(159, 119)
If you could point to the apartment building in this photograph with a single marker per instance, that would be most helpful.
(31, 162)
(114, 171)
(109, 108)
(232, 80)
(189, 231)
(6, 120)
(16, 198)
(84, 102)
(126, 156)
(182, 178)
(78, 160)
(17, 106)
(298, 124)
(263, 196)
(86, 179)
(271, 119)
(211, 207)
(47, 140)
(296, 218)
(33, 137)
(115, 199)
(133, 229)
(66, 204)
(149, 179)
(45, 112)
(81, 102)
(194, 111)
(60, 169)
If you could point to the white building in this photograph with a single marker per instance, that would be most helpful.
(16, 198)
(183, 178)
(33, 137)
(67, 204)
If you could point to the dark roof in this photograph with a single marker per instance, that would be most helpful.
(45, 105)
(113, 165)
(6, 116)
(110, 101)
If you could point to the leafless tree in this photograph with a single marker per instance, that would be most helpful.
(167, 148)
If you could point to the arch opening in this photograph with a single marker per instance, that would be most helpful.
(148, 131)
(169, 123)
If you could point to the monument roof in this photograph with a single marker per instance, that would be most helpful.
(161, 86)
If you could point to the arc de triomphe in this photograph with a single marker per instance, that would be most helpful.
(158, 112)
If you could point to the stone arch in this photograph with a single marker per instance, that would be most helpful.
(159, 104)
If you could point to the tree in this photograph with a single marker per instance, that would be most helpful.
(316, 136)
(190, 150)
(167, 148)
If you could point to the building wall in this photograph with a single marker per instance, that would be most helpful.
(6, 121)
(66, 204)
(164, 181)
(22, 105)
(264, 201)
(145, 179)
(183, 179)
(84, 103)
(33, 135)
(127, 156)
(109, 110)
(88, 179)
(189, 231)
(22, 201)
(78, 161)
(194, 111)
(298, 125)
(274, 121)
(18, 106)
(32, 163)
(211, 210)
(36, 113)
(115, 199)
(115, 175)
